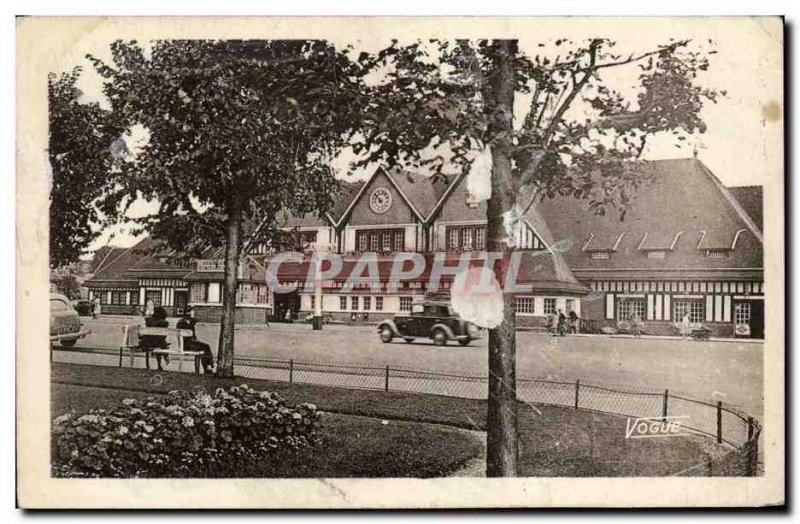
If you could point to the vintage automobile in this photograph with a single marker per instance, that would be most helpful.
(431, 319)
(65, 325)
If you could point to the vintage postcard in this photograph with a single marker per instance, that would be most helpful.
(400, 262)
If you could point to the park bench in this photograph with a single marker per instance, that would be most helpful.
(131, 344)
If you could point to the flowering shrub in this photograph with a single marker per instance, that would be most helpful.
(185, 434)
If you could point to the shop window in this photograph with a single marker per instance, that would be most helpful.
(695, 309)
(627, 308)
(524, 305)
(117, 298)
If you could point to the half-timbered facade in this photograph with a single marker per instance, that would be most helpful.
(686, 246)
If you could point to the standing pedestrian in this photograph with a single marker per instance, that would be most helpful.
(96, 308)
(685, 327)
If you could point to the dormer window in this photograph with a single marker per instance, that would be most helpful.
(716, 254)
(600, 255)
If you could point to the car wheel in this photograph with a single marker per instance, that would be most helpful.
(386, 335)
(439, 337)
(464, 341)
(68, 343)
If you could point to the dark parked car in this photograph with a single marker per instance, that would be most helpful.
(65, 326)
(432, 319)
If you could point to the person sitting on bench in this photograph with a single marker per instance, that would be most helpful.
(158, 319)
(191, 343)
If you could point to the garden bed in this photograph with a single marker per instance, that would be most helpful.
(554, 441)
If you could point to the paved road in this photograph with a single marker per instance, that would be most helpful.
(727, 371)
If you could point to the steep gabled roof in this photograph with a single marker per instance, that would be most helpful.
(115, 270)
(422, 191)
(751, 198)
(681, 208)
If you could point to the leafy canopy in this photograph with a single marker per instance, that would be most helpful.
(81, 161)
(253, 122)
(435, 103)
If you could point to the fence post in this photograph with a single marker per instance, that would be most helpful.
(719, 422)
(291, 370)
(577, 389)
(386, 383)
(666, 403)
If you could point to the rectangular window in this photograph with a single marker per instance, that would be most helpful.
(378, 303)
(135, 297)
(600, 255)
(213, 293)
(549, 306)
(198, 292)
(354, 303)
(343, 303)
(741, 313)
(656, 254)
(117, 298)
(377, 240)
(524, 305)
(695, 309)
(452, 238)
(480, 238)
(405, 303)
(627, 308)
(399, 240)
(716, 254)
(154, 296)
(367, 303)
(313, 303)
(466, 238)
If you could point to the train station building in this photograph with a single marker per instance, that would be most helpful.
(687, 245)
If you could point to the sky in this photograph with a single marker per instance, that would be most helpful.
(744, 141)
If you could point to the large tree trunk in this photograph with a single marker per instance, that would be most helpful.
(233, 245)
(501, 442)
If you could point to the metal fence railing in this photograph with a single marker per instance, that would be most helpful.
(727, 425)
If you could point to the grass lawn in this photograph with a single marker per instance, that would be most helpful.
(554, 441)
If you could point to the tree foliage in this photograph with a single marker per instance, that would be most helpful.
(237, 131)
(255, 119)
(81, 160)
(434, 109)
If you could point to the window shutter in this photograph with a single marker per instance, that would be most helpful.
(609, 306)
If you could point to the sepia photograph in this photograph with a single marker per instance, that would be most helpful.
(404, 255)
